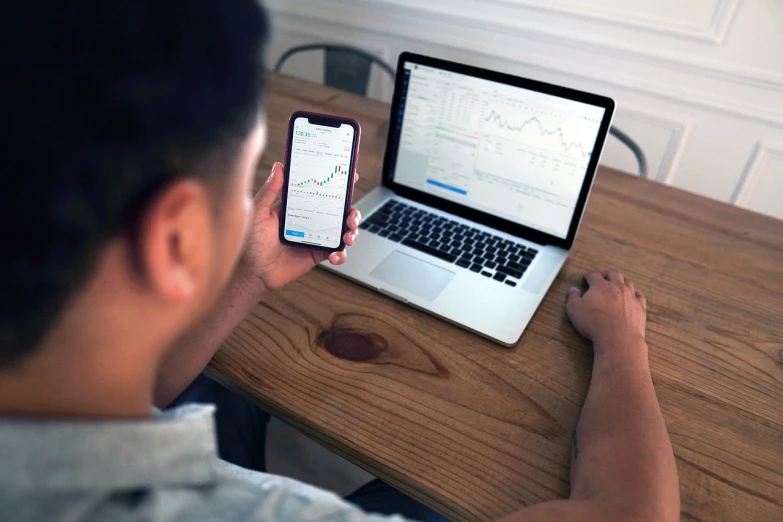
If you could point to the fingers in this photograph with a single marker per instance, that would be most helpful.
(271, 190)
(350, 237)
(355, 177)
(614, 276)
(637, 294)
(338, 258)
(641, 298)
(594, 278)
(353, 220)
(574, 293)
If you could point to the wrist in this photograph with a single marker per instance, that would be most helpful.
(247, 284)
(620, 344)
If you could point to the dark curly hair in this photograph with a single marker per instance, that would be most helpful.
(104, 103)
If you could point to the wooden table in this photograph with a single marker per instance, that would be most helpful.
(478, 431)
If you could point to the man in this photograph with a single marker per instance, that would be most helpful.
(133, 249)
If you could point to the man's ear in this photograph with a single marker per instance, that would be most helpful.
(175, 241)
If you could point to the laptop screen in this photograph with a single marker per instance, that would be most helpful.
(514, 153)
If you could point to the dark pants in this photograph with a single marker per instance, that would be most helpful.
(241, 434)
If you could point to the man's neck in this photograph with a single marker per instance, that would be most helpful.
(49, 387)
(101, 357)
(82, 372)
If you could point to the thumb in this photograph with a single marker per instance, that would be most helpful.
(574, 293)
(268, 194)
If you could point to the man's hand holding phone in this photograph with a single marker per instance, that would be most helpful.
(271, 264)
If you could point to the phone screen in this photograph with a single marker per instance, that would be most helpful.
(319, 173)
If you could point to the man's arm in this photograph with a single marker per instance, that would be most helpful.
(622, 465)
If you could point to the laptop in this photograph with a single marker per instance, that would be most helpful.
(485, 180)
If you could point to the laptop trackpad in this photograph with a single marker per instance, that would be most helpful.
(413, 275)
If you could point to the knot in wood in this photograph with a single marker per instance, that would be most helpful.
(352, 345)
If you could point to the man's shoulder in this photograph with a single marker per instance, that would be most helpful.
(231, 498)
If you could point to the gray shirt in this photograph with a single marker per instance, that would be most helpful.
(164, 469)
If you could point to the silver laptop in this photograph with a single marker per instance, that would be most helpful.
(485, 180)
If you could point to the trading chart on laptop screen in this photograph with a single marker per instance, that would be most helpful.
(517, 154)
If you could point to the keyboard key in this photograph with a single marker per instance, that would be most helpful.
(532, 251)
(516, 274)
(475, 268)
(490, 264)
(488, 274)
(456, 251)
(464, 263)
(385, 233)
(396, 237)
(374, 230)
(511, 283)
(499, 277)
(431, 251)
(517, 267)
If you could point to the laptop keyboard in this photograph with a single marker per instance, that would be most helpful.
(492, 256)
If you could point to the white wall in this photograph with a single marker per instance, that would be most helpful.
(699, 83)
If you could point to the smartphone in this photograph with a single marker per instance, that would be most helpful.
(320, 164)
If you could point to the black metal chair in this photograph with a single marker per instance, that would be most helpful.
(638, 153)
(345, 67)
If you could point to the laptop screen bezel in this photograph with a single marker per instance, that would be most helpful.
(537, 236)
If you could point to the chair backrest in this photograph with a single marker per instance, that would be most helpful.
(626, 140)
(345, 67)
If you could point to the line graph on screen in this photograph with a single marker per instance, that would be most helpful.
(548, 132)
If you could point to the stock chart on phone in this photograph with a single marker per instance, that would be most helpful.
(515, 153)
(319, 174)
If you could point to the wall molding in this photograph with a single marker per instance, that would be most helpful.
(680, 134)
(418, 28)
(714, 32)
(763, 151)
(441, 10)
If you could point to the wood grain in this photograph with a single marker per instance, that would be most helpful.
(478, 431)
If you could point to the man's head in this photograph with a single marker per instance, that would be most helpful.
(132, 133)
